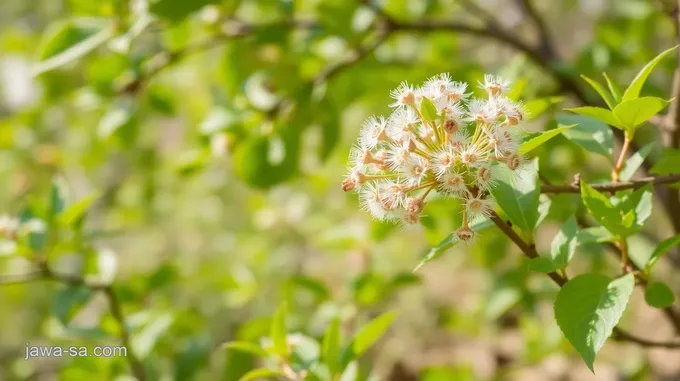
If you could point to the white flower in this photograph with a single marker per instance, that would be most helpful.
(392, 195)
(443, 160)
(486, 177)
(495, 85)
(473, 155)
(478, 207)
(457, 91)
(397, 154)
(481, 111)
(402, 125)
(371, 201)
(459, 141)
(8, 224)
(414, 170)
(404, 95)
(372, 132)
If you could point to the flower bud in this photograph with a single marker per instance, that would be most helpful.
(414, 205)
(451, 126)
(465, 234)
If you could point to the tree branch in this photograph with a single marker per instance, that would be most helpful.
(530, 251)
(545, 43)
(612, 187)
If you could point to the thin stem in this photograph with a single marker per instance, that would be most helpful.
(613, 187)
(623, 247)
(117, 313)
(616, 172)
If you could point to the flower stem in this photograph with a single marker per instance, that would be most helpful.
(616, 172)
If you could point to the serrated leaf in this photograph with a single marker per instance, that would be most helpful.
(633, 90)
(659, 295)
(635, 161)
(668, 162)
(536, 107)
(564, 244)
(332, 342)
(608, 99)
(640, 203)
(601, 114)
(519, 199)
(604, 212)
(71, 40)
(428, 109)
(246, 347)
(257, 374)
(589, 133)
(632, 113)
(366, 337)
(540, 139)
(588, 308)
(278, 332)
(613, 88)
(450, 241)
(661, 249)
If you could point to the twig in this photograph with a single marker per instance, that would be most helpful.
(44, 273)
(530, 251)
(546, 45)
(671, 134)
(117, 313)
(622, 158)
(613, 187)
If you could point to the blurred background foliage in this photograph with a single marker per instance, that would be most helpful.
(215, 133)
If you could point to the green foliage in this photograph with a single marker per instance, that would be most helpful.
(635, 87)
(519, 199)
(588, 308)
(589, 133)
(626, 217)
(428, 110)
(668, 163)
(662, 249)
(535, 141)
(635, 161)
(564, 244)
(632, 113)
(450, 241)
(659, 295)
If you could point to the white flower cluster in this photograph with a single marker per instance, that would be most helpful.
(456, 150)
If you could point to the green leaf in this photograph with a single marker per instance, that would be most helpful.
(70, 40)
(613, 88)
(542, 265)
(450, 241)
(588, 308)
(332, 341)
(604, 212)
(589, 133)
(255, 160)
(600, 114)
(633, 90)
(538, 140)
(145, 340)
(668, 163)
(313, 285)
(608, 99)
(246, 347)
(564, 244)
(257, 374)
(597, 234)
(664, 247)
(177, 10)
(632, 113)
(75, 213)
(659, 295)
(537, 107)
(519, 199)
(58, 198)
(635, 161)
(68, 301)
(428, 110)
(640, 202)
(366, 337)
(279, 332)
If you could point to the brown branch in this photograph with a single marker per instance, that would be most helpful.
(613, 187)
(546, 46)
(671, 134)
(530, 251)
(117, 313)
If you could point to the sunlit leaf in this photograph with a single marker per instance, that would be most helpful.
(601, 114)
(607, 97)
(540, 139)
(588, 308)
(589, 133)
(635, 87)
(661, 249)
(564, 244)
(632, 113)
(635, 161)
